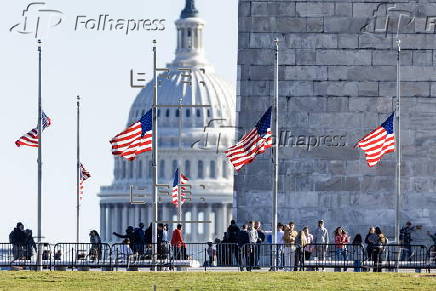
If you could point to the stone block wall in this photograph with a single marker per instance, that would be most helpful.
(337, 78)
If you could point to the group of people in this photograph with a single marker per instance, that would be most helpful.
(22, 242)
(242, 246)
(139, 242)
(239, 246)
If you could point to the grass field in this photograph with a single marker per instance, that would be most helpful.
(216, 281)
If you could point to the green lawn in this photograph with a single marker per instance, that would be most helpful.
(25, 280)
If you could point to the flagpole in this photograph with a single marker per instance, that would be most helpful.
(275, 150)
(39, 142)
(154, 150)
(179, 196)
(78, 173)
(397, 210)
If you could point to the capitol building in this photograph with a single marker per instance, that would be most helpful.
(192, 139)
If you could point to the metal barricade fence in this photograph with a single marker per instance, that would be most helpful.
(250, 256)
(25, 256)
(140, 255)
(81, 255)
(320, 256)
(221, 255)
(395, 256)
(431, 257)
(279, 256)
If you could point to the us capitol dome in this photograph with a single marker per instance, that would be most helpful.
(199, 151)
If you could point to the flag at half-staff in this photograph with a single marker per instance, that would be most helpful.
(31, 138)
(179, 179)
(83, 176)
(253, 143)
(136, 139)
(379, 142)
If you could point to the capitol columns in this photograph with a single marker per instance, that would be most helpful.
(131, 215)
(109, 230)
(103, 221)
(137, 218)
(194, 217)
(116, 218)
(143, 214)
(208, 216)
(124, 216)
(165, 212)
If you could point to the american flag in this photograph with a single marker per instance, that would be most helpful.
(253, 143)
(31, 138)
(83, 176)
(182, 180)
(135, 140)
(379, 142)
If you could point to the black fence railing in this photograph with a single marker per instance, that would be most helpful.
(81, 255)
(163, 256)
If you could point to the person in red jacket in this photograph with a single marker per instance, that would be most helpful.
(341, 241)
(178, 244)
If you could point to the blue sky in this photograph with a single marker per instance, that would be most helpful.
(96, 65)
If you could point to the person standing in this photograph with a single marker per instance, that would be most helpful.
(341, 241)
(309, 240)
(321, 240)
(289, 237)
(280, 244)
(406, 240)
(178, 244)
(95, 240)
(211, 253)
(371, 240)
(301, 242)
(140, 238)
(130, 234)
(253, 235)
(17, 238)
(357, 252)
(243, 247)
(260, 240)
(379, 249)
(232, 234)
(29, 245)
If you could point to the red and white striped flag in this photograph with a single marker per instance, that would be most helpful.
(31, 138)
(379, 142)
(182, 180)
(253, 143)
(83, 176)
(136, 139)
